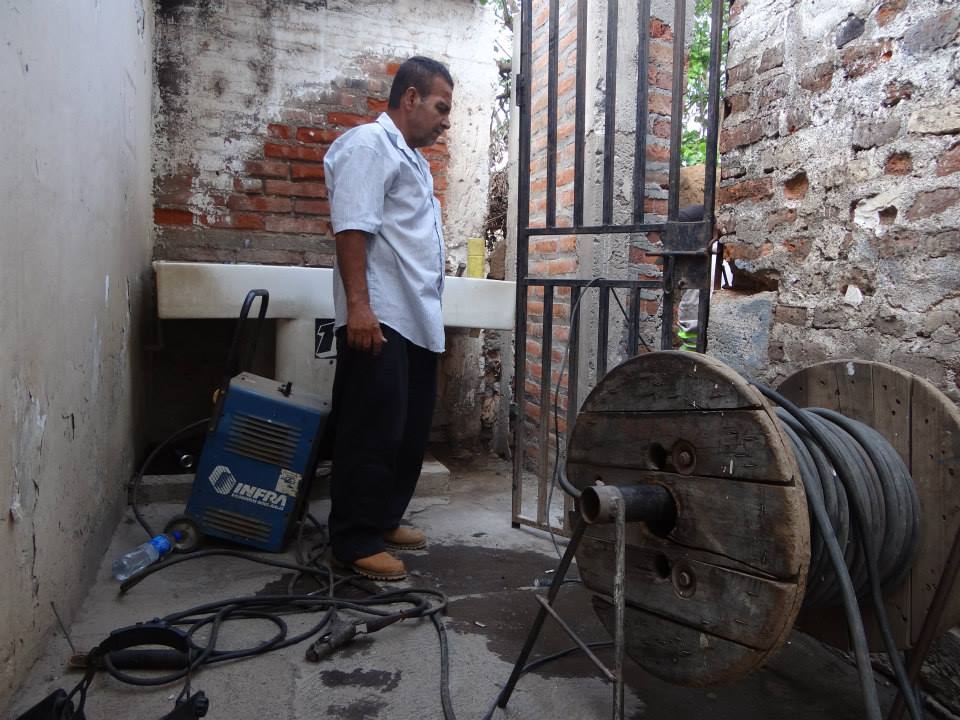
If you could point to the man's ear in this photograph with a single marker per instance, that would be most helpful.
(410, 97)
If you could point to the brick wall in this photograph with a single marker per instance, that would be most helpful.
(610, 256)
(276, 211)
(839, 194)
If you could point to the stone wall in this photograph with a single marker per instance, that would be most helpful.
(74, 267)
(839, 203)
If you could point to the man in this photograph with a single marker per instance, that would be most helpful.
(388, 280)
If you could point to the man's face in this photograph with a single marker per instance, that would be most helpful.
(429, 117)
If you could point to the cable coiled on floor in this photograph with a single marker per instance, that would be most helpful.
(865, 525)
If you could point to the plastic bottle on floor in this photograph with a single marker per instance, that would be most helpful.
(129, 564)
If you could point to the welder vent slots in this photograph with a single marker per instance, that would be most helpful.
(236, 524)
(259, 439)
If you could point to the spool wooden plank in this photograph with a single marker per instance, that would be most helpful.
(677, 653)
(751, 621)
(924, 427)
(741, 444)
(742, 536)
(671, 380)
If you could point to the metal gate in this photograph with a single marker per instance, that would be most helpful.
(684, 252)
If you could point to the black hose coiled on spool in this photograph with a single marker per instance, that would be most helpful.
(864, 508)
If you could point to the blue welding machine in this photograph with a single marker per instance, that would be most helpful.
(259, 457)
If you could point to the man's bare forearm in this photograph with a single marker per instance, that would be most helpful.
(363, 327)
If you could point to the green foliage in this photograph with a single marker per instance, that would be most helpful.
(695, 102)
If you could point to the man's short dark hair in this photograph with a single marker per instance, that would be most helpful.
(417, 72)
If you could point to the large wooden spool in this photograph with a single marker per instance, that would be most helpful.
(711, 597)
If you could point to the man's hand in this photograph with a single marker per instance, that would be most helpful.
(363, 329)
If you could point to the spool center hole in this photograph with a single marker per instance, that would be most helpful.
(657, 456)
(661, 566)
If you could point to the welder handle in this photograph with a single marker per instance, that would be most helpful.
(135, 660)
(233, 364)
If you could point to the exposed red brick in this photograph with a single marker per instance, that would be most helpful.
(949, 162)
(661, 128)
(306, 171)
(294, 152)
(267, 168)
(736, 103)
(301, 189)
(658, 153)
(786, 216)
(562, 266)
(817, 78)
(660, 30)
(289, 224)
(248, 185)
(858, 60)
(739, 73)
(256, 203)
(235, 221)
(317, 135)
(168, 216)
(932, 202)
(283, 132)
(795, 187)
(899, 163)
(771, 58)
(312, 207)
(742, 251)
(897, 91)
(790, 315)
(345, 119)
(659, 103)
(543, 246)
(392, 68)
(751, 190)
(798, 246)
(655, 206)
(376, 105)
(888, 10)
(741, 135)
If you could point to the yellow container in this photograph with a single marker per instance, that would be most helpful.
(475, 257)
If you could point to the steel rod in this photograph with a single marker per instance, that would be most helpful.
(554, 61)
(640, 124)
(580, 128)
(610, 111)
(576, 638)
(676, 109)
(603, 330)
(546, 362)
(619, 602)
(534, 633)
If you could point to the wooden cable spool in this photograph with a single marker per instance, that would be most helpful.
(713, 595)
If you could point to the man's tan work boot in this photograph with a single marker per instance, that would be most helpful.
(405, 538)
(382, 566)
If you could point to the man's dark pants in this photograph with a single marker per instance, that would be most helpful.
(381, 415)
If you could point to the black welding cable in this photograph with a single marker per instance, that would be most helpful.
(863, 485)
(138, 476)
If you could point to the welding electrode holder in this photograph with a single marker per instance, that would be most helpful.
(59, 705)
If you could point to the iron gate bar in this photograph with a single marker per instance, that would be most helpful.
(581, 112)
(522, 85)
(603, 330)
(610, 111)
(710, 161)
(642, 118)
(552, 114)
(676, 112)
(597, 229)
(546, 368)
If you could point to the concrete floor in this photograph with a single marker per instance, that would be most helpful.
(490, 573)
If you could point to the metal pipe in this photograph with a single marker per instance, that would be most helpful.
(676, 110)
(554, 60)
(581, 111)
(652, 504)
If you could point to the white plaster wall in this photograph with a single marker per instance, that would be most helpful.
(75, 223)
(250, 60)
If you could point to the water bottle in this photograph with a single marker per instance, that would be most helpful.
(131, 563)
(687, 319)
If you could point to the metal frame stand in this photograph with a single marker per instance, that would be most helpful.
(546, 608)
